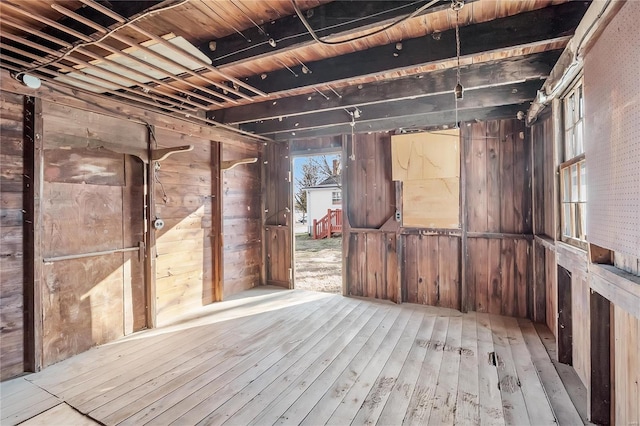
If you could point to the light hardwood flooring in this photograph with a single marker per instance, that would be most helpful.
(296, 357)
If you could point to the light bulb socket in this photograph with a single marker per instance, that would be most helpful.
(459, 91)
(31, 81)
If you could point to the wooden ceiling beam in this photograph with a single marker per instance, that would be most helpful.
(339, 18)
(420, 121)
(478, 98)
(495, 73)
(523, 30)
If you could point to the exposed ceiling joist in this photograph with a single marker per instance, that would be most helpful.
(523, 30)
(485, 97)
(420, 121)
(495, 73)
(336, 19)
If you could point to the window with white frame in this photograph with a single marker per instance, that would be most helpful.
(573, 183)
(336, 197)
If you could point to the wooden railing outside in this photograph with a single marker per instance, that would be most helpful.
(329, 224)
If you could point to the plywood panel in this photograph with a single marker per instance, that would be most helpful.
(418, 156)
(11, 235)
(431, 203)
(428, 164)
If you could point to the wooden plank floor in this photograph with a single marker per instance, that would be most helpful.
(295, 357)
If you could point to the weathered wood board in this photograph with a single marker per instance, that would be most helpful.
(12, 192)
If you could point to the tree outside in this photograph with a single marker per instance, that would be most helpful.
(313, 171)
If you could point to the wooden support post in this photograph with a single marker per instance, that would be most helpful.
(600, 388)
(315, 224)
(150, 235)
(264, 167)
(400, 291)
(33, 161)
(465, 145)
(217, 230)
(329, 230)
(346, 203)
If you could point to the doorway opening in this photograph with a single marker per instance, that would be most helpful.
(317, 230)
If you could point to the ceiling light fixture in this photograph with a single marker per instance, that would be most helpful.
(456, 5)
(458, 91)
(31, 81)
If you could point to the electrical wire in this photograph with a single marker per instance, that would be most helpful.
(260, 30)
(457, 10)
(360, 37)
(107, 35)
(293, 36)
(248, 40)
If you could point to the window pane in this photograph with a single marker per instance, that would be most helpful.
(566, 188)
(566, 217)
(580, 102)
(583, 182)
(568, 112)
(568, 145)
(582, 221)
(579, 138)
(574, 183)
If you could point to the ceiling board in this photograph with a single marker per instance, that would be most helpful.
(336, 71)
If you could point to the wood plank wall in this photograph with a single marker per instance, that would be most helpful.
(369, 201)
(278, 214)
(497, 161)
(626, 362)
(186, 186)
(91, 131)
(318, 146)
(242, 219)
(499, 271)
(12, 259)
(544, 199)
(431, 270)
(611, 228)
(92, 201)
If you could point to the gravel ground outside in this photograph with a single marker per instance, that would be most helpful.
(318, 264)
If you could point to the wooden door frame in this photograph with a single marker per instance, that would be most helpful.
(217, 223)
(292, 156)
(33, 164)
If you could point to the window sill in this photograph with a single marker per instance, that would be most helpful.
(620, 287)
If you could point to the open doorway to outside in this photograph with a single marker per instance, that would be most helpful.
(317, 202)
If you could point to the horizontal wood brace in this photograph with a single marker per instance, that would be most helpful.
(500, 235)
